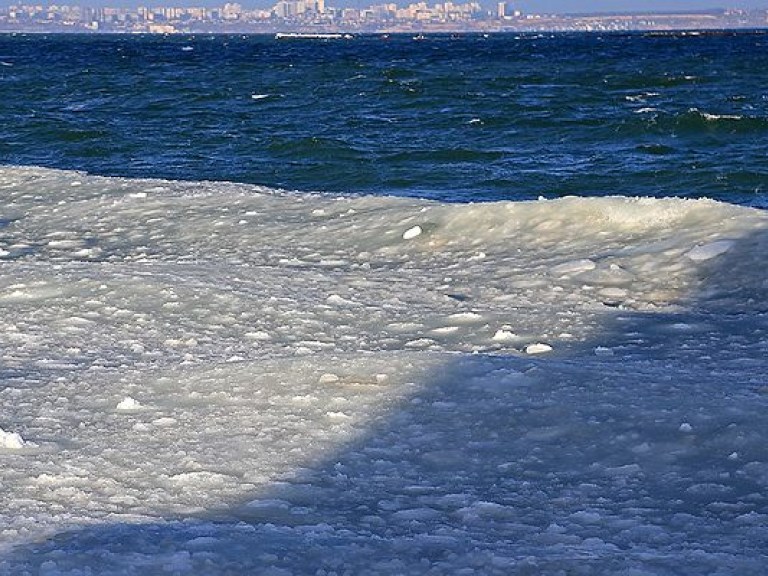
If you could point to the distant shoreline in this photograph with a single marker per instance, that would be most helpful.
(351, 34)
(704, 20)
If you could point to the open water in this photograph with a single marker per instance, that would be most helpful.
(456, 118)
(215, 378)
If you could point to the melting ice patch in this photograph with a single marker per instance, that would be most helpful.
(221, 375)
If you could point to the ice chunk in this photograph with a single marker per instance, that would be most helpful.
(416, 514)
(13, 440)
(603, 351)
(445, 330)
(412, 233)
(328, 378)
(586, 517)
(466, 317)
(538, 348)
(626, 470)
(164, 422)
(709, 251)
(202, 478)
(613, 292)
(258, 335)
(504, 336)
(128, 404)
(338, 415)
(419, 343)
(336, 300)
(268, 505)
(573, 267)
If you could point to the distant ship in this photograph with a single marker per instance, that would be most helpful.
(312, 36)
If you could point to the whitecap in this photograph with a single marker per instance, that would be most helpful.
(715, 117)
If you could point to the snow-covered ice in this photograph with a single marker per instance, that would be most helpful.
(128, 403)
(212, 378)
(538, 348)
(12, 440)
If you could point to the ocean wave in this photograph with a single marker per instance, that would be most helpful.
(655, 81)
(643, 97)
(716, 117)
(446, 155)
(695, 119)
(313, 148)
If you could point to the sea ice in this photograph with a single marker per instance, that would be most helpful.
(128, 404)
(538, 348)
(503, 335)
(710, 250)
(412, 232)
(12, 440)
(326, 400)
(573, 267)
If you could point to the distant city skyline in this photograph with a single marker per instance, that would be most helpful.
(310, 17)
(527, 6)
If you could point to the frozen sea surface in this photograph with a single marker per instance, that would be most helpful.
(211, 378)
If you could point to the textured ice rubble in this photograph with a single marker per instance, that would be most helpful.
(212, 378)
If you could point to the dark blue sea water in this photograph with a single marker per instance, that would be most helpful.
(456, 118)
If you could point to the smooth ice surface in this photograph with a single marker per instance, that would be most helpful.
(214, 378)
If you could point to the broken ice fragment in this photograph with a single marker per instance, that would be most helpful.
(13, 440)
(128, 403)
(708, 251)
(538, 348)
(328, 378)
(412, 233)
(504, 336)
